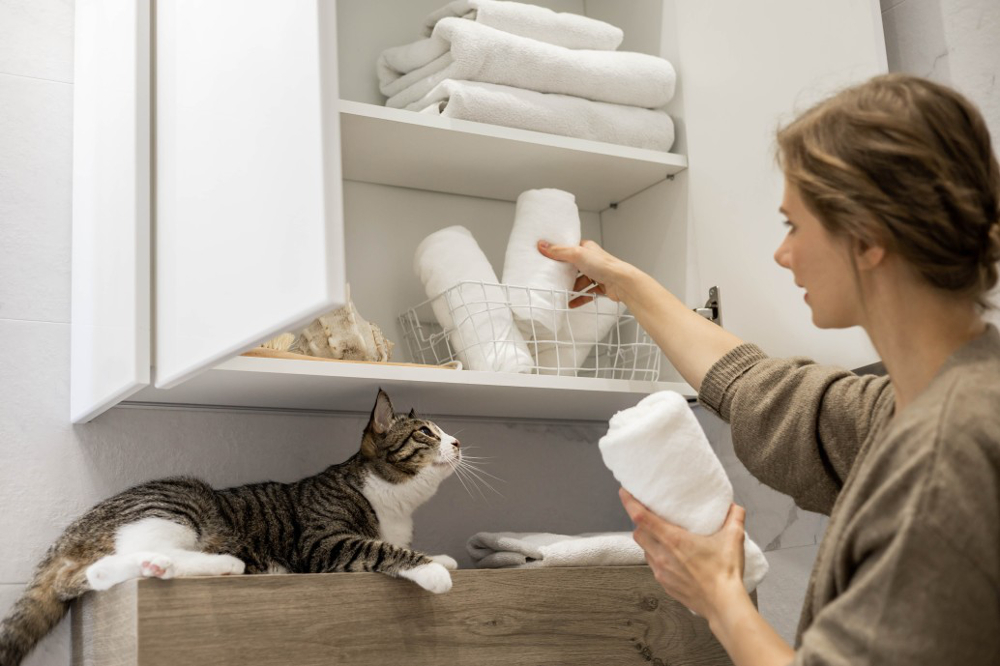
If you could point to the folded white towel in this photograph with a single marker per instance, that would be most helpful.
(560, 28)
(399, 60)
(537, 285)
(530, 550)
(556, 114)
(581, 329)
(483, 334)
(659, 453)
(480, 53)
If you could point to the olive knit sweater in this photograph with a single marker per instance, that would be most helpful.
(908, 571)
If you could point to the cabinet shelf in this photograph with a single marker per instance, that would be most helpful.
(269, 383)
(573, 615)
(406, 149)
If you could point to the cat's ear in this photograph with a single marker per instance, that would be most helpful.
(413, 413)
(382, 414)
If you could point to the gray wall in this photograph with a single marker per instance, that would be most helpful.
(553, 479)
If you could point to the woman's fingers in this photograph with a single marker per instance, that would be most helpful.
(558, 252)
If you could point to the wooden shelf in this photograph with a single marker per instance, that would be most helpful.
(534, 617)
(273, 383)
(406, 149)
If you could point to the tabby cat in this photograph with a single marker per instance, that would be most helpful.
(355, 516)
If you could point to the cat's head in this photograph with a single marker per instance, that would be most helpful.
(401, 448)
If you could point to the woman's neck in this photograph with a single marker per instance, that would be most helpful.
(915, 329)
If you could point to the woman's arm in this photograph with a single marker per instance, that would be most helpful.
(705, 573)
(691, 343)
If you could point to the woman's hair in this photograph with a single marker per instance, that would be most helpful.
(905, 163)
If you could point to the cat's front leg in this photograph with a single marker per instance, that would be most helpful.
(355, 553)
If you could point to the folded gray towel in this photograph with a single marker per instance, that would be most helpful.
(529, 550)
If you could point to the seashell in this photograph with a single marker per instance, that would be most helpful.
(281, 342)
(344, 334)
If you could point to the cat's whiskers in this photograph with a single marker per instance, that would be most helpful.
(476, 473)
(462, 472)
(458, 475)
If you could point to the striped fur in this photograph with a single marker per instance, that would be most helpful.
(355, 516)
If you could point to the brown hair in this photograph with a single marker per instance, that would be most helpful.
(905, 163)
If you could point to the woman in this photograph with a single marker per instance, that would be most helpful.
(892, 199)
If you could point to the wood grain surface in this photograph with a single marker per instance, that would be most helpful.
(605, 616)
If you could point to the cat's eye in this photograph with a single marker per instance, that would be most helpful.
(427, 431)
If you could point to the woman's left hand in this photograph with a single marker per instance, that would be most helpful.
(701, 572)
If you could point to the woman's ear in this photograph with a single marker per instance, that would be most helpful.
(868, 254)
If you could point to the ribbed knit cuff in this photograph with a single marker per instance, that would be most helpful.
(723, 373)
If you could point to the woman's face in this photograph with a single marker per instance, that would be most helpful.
(820, 263)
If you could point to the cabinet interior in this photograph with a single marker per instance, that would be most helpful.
(383, 224)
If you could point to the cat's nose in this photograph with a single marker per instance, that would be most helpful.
(457, 444)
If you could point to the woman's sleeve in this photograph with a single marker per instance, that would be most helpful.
(797, 426)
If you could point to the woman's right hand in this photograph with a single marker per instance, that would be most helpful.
(596, 266)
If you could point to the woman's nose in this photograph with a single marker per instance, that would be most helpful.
(781, 256)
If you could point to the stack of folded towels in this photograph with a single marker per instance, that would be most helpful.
(526, 325)
(524, 66)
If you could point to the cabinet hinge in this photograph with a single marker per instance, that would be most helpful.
(712, 309)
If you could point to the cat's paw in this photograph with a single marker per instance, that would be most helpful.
(103, 574)
(432, 577)
(156, 566)
(230, 566)
(446, 561)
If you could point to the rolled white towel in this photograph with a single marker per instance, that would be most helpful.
(481, 53)
(581, 329)
(549, 112)
(560, 28)
(483, 335)
(531, 550)
(537, 285)
(659, 453)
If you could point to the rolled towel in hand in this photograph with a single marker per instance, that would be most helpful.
(580, 329)
(482, 331)
(560, 28)
(537, 285)
(659, 453)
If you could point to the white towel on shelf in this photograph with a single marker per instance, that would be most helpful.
(548, 112)
(560, 28)
(659, 453)
(581, 329)
(483, 334)
(399, 60)
(480, 53)
(571, 31)
(530, 550)
(537, 285)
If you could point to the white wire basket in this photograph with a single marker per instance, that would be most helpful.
(505, 328)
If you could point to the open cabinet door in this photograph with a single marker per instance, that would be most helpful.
(248, 202)
(110, 329)
(745, 68)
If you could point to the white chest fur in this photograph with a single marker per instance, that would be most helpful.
(394, 504)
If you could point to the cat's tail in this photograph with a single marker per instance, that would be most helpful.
(57, 581)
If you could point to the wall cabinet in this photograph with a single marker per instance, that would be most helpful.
(255, 134)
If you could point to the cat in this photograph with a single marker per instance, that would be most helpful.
(354, 516)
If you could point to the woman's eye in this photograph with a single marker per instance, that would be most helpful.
(427, 431)
(789, 225)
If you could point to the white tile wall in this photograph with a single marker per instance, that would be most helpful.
(52, 471)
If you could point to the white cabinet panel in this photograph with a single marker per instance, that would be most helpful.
(249, 229)
(111, 190)
(745, 67)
